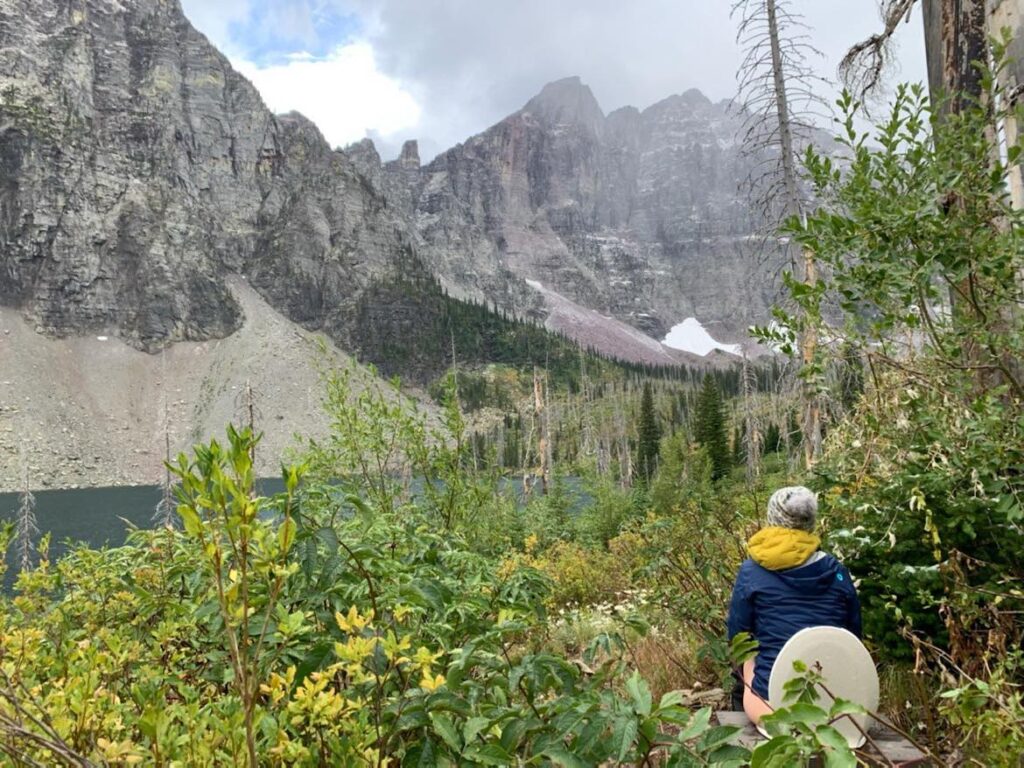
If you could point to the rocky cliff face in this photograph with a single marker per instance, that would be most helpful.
(139, 171)
(635, 214)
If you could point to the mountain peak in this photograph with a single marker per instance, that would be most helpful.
(568, 100)
(410, 157)
(692, 99)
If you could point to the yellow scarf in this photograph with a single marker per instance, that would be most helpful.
(779, 548)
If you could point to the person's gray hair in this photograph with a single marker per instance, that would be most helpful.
(793, 507)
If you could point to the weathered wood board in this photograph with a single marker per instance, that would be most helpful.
(895, 749)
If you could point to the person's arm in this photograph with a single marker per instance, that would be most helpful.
(741, 608)
(741, 619)
(853, 618)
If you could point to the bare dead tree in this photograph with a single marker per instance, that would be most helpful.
(25, 528)
(779, 99)
(164, 515)
(865, 64)
(779, 102)
(751, 426)
(543, 438)
(247, 411)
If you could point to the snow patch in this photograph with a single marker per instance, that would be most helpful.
(691, 336)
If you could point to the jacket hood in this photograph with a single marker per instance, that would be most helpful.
(783, 552)
(778, 548)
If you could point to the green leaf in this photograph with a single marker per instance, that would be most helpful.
(779, 752)
(717, 736)
(473, 726)
(700, 723)
(421, 754)
(670, 699)
(730, 754)
(842, 707)
(488, 754)
(445, 728)
(742, 648)
(838, 754)
(512, 733)
(564, 758)
(624, 736)
(640, 694)
(285, 535)
(190, 519)
(799, 713)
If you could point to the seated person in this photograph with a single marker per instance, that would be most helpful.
(786, 585)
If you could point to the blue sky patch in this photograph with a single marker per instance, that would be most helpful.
(274, 31)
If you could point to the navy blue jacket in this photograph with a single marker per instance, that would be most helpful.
(775, 605)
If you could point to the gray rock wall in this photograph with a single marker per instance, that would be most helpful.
(139, 171)
(638, 214)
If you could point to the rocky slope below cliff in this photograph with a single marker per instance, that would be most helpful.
(92, 410)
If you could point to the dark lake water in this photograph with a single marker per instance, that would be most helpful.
(103, 516)
(98, 516)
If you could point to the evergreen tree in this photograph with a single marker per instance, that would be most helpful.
(851, 376)
(739, 456)
(772, 439)
(793, 430)
(648, 438)
(710, 428)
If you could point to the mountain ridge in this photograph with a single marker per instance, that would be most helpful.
(140, 171)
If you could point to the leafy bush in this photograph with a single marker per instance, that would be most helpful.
(989, 712)
(310, 629)
(921, 252)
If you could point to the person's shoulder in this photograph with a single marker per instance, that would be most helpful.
(842, 572)
(745, 570)
(748, 566)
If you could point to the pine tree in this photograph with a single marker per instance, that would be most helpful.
(710, 428)
(772, 439)
(851, 377)
(648, 438)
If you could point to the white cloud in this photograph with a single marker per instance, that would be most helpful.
(214, 19)
(470, 63)
(344, 93)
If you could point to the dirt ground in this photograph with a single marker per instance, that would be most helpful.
(90, 411)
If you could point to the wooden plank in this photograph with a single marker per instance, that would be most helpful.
(895, 749)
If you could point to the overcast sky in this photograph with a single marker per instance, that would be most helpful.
(441, 70)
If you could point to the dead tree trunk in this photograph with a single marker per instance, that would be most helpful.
(1009, 14)
(543, 449)
(774, 61)
(752, 434)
